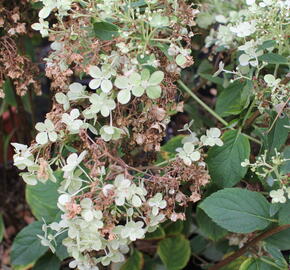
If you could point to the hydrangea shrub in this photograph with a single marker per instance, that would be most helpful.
(99, 165)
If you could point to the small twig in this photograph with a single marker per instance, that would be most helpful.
(200, 258)
(250, 244)
(251, 120)
(200, 102)
(248, 114)
(278, 114)
(211, 111)
(124, 165)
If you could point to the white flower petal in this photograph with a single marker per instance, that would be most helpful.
(136, 201)
(95, 72)
(106, 86)
(124, 96)
(63, 199)
(44, 12)
(188, 147)
(122, 82)
(75, 113)
(41, 138)
(52, 136)
(95, 83)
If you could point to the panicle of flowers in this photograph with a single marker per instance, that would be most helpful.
(88, 220)
(114, 96)
(256, 33)
(271, 170)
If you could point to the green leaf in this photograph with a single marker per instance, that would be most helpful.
(42, 199)
(211, 78)
(235, 264)
(23, 267)
(2, 228)
(224, 162)
(238, 210)
(208, 227)
(174, 252)
(280, 240)
(124, 96)
(71, 149)
(274, 208)
(156, 235)
(47, 262)
(273, 58)
(284, 214)
(267, 44)
(256, 264)
(105, 30)
(232, 99)
(246, 263)
(136, 4)
(278, 135)
(60, 249)
(168, 150)
(37, 5)
(277, 256)
(157, 77)
(9, 93)
(172, 228)
(204, 67)
(26, 246)
(213, 251)
(198, 244)
(150, 263)
(164, 48)
(134, 262)
(285, 168)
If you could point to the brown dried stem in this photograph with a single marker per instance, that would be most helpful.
(250, 244)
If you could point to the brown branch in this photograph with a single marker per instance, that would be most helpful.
(252, 119)
(278, 114)
(245, 248)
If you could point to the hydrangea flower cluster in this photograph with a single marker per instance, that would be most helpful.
(258, 34)
(192, 145)
(85, 223)
(89, 138)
